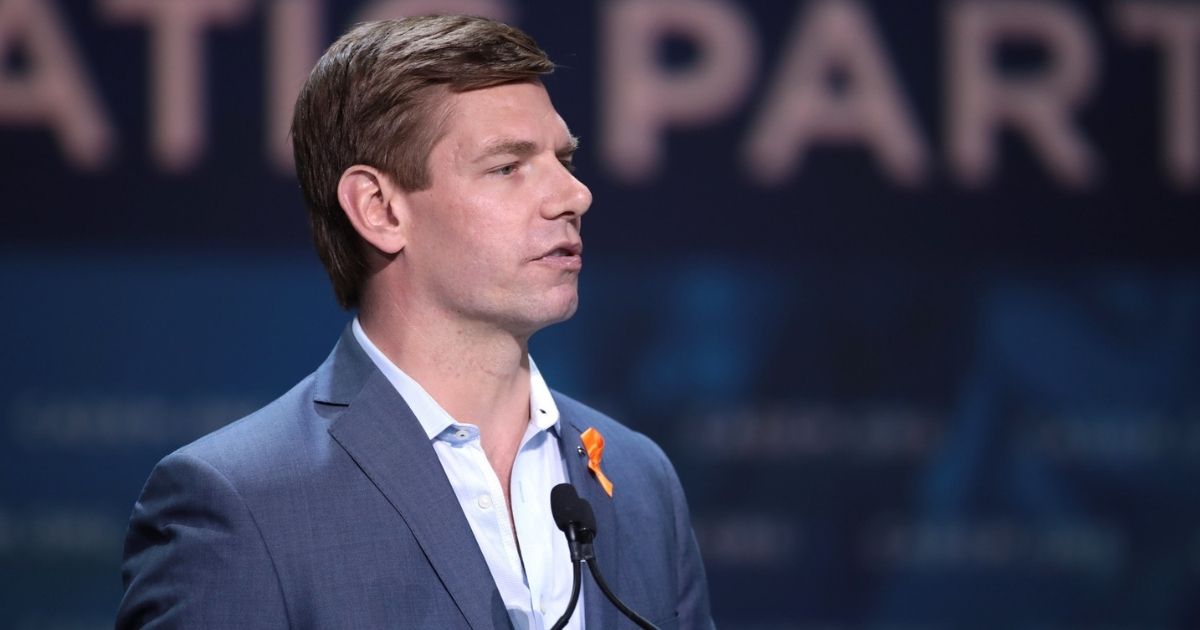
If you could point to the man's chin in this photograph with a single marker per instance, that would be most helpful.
(567, 313)
(548, 315)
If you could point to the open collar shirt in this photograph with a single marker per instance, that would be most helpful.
(531, 565)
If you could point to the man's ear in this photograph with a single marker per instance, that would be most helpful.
(376, 207)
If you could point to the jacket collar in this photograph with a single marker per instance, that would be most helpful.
(381, 434)
(342, 376)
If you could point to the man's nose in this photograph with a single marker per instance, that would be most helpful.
(571, 197)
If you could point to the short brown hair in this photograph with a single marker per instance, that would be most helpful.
(372, 99)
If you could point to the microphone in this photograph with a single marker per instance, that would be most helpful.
(574, 516)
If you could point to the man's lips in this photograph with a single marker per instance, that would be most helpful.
(566, 255)
(563, 250)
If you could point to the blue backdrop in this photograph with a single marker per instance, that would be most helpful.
(905, 386)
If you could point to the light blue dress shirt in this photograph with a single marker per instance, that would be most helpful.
(534, 579)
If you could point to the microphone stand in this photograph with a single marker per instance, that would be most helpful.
(579, 541)
(574, 516)
(566, 616)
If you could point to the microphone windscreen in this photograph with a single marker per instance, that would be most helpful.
(564, 505)
(587, 518)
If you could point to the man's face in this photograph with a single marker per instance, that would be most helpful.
(495, 238)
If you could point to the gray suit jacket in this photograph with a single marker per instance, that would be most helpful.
(328, 508)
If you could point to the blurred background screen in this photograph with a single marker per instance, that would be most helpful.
(908, 291)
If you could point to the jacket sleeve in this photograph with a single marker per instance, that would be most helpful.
(693, 605)
(194, 557)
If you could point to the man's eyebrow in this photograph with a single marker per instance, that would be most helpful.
(507, 146)
(523, 148)
(569, 148)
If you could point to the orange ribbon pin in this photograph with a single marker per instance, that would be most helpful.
(594, 443)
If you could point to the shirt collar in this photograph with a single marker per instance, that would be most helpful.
(543, 412)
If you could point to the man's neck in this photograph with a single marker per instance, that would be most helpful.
(478, 375)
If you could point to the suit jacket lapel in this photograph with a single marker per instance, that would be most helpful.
(600, 612)
(384, 438)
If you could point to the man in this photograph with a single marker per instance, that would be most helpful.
(406, 483)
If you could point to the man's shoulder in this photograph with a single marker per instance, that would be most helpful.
(280, 432)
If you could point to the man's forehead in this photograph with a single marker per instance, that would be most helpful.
(504, 113)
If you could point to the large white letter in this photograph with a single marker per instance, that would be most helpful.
(803, 107)
(393, 9)
(295, 33)
(179, 97)
(641, 98)
(1176, 27)
(53, 90)
(981, 101)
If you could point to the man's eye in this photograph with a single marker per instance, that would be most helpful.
(507, 169)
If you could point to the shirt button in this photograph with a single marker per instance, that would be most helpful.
(484, 501)
(461, 434)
